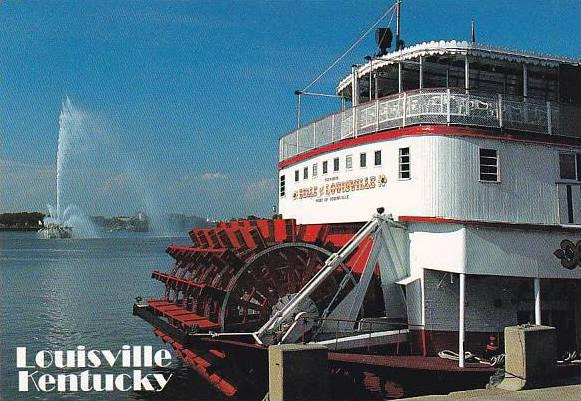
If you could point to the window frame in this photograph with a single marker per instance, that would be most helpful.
(364, 159)
(315, 170)
(349, 162)
(297, 175)
(377, 152)
(282, 186)
(306, 173)
(400, 163)
(336, 165)
(576, 162)
(498, 179)
(325, 167)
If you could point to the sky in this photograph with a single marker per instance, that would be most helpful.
(192, 96)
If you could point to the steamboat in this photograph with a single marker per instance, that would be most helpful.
(441, 204)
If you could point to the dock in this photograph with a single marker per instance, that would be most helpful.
(410, 362)
(567, 393)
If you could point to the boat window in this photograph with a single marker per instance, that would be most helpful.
(336, 164)
(378, 157)
(489, 165)
(282, 186)
(349, 162)
(404, 163)
(306, 173)
(568, 166)
(315, 168)
(296, 175)
(325, 167)
(363, 160)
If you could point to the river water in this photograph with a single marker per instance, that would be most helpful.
(59, 294)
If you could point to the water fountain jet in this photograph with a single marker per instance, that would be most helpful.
(73, 123)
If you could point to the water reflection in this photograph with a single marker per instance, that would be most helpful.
(64, 293)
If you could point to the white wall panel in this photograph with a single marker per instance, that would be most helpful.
(444, 183)
(526, 192)
(438, 247)
(517, 253)
(488, 251)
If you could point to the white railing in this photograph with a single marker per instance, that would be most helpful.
(440, 107)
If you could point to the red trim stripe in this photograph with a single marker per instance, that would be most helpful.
(493, 224)
(431, 130)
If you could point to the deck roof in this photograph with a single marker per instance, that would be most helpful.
(453, 47)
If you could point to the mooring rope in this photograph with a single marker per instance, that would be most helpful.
(494, 361)
(570, 357)
(342, 56)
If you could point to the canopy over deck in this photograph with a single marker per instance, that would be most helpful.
(466, 65)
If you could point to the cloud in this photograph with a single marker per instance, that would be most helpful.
(16, 171)
(259, 189)
(20, 164)
(115, 182)
(25, 186)
(207, 176)
(213, 176)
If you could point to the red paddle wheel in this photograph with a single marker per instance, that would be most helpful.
(234, 275)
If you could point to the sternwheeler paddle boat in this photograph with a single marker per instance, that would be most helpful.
(441, 204)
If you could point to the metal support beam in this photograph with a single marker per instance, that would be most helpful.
(397, 23)
(466, 73)
(400, 76)
(421, 72)
(549, 118)
(525, 90)
(525, 80)
(354, 87)
(499, 108)
(461, 329)
(370, 77)
(537, 288)
(331, 264)
(299, 110)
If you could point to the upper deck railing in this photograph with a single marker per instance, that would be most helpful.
(439, 106)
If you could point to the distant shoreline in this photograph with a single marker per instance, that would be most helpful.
(21, 229)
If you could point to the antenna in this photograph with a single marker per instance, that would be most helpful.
(397, 23)
(399, 44)
(472, 32)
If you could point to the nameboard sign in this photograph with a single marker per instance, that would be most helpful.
(340, 187)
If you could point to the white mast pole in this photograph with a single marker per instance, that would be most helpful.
(354, 86)
(461, 333)
(298, 93)
(466, 73)
(397, 22)
(421, 72)
(537, 285)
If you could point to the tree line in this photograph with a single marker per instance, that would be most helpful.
(21, 220)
